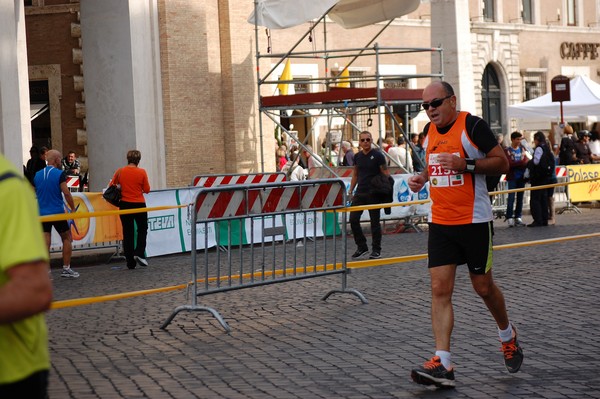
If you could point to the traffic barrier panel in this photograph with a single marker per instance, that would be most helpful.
(500, 201)
(77, 183)
(239, 178)
(271, 253)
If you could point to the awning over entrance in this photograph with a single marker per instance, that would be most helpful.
(37, 110)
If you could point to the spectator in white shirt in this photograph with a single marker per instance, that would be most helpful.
(401, 155)
(312, 159)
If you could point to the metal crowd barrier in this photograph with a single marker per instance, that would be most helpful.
(117, 247)
(500, 201)
(261, 248)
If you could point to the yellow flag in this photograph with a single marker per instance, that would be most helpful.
(344, 78)
(286, 75)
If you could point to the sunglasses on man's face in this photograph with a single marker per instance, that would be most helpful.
(365, 140)
(436, 102)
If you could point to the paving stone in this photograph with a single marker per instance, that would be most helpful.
(288, 343)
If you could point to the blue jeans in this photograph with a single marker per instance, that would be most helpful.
(512, 184)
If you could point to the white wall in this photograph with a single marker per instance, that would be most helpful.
(121, 65)
(15, 126)
(450, 28)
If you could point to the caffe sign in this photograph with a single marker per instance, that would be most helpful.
(575, 51)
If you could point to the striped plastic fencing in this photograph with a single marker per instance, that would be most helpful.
(261, 248)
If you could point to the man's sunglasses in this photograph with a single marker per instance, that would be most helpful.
(365, 140)
(436, 102)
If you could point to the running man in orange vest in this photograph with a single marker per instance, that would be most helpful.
(460, 150)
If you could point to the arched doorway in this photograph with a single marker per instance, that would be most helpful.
(491, 99)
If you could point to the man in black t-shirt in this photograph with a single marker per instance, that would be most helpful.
(368, 163)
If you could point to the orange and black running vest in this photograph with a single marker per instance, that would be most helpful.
(456, 198)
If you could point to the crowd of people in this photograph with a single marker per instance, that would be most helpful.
(296, 161)
(69, 164)
(47, 172)
(537, 166)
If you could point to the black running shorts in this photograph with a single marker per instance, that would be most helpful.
(457, 245)
(61, 226)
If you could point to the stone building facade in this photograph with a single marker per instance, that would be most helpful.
(201, 115)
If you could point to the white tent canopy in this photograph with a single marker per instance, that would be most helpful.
(281, 14)
(585, 103)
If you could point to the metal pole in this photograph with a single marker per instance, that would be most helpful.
(260, 125)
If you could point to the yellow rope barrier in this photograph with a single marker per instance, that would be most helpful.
(81, 215)
(309, 269)
(104, 298)
(351, 265)
(69, 303)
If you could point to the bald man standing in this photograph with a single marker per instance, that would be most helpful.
(50, 187)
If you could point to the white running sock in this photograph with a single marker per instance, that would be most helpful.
(506, 335)
(445, 358)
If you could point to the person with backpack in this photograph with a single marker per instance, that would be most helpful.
(566, 153)
(541, 168)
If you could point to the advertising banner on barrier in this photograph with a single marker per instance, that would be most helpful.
(401, 194)
(165, 227)
(170, 230)
(581, 192)
(309, 224)
(89, 231)
(253, 231)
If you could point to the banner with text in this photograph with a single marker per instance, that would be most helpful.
(589, 191)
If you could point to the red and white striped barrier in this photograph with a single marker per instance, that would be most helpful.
(268, 199)
(561, 171)
(249, 178)
(73, 182)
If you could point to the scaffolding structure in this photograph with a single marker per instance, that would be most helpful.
(341, 96)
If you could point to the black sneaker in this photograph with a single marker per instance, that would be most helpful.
(359, 252)
(513, 354)
(433, 372)
(375, 255)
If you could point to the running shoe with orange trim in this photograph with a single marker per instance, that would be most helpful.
(433, 372)
(513, 354)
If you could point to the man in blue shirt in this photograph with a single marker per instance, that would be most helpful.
(50, 186)
(517, 161)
